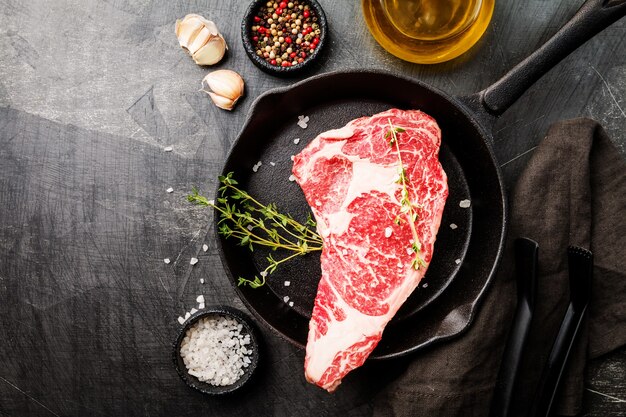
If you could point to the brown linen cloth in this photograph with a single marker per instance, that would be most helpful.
(573, 192)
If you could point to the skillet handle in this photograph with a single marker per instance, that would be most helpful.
(592, 17)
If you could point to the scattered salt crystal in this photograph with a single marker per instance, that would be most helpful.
(425, 285)
(296, 140)
(303, 121)
(290, 303)
(193, 311)
(287, 283)
(200, 306)
(399, 264)
(193, 261)
(211, 202)
(457, 261)
(205, 247)
(409, 251)
(200, 299)
(250, 227)
(168, 149)
(201, 280)
(464, 203)
(286, 298)
(292, 177)
(273, 164)
(263, 274)
(256, 166)
(166, 260)
(388, 232)
(169, 190)
(453, 226)
(187, 315)
(181, 320)
(293, 157)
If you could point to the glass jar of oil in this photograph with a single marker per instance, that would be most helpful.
(427, 31)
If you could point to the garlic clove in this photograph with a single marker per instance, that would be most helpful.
(187, 30)
(211, 53)
(225, 87)
(226, 83)
(222, 102)
(201, 38)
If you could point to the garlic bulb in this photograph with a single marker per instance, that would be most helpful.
(225, 88)
(201, 38)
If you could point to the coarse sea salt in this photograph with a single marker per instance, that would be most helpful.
(193, 261)
(205, 247)
(166, 260)
(296, 141)
(170, 190)
(290, 303)
(292, 178)
(200, 299)
(465, 203)
(201, 280)
(453, 226)
(273, 164)
(216, 350)
(457, 261)
(388, 232)
(287, 283)
(256, 166)
(303, 121)
(168, 149)
(286, 298)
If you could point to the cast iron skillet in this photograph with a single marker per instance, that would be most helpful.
(466, 257)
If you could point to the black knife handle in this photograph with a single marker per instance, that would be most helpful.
(526, 258)
(580, 275)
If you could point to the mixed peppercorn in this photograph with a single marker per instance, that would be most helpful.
(285, 33)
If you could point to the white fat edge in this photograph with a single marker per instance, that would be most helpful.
(340, 336)
(355, 328)
(345, 132)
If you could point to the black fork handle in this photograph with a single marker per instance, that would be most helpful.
(592, 17)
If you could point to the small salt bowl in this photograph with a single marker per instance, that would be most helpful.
(215, 322)
(301, 57)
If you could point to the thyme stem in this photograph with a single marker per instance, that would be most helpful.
(254, 224)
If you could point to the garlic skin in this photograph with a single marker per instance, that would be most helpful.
(224, 87)
(201, 38)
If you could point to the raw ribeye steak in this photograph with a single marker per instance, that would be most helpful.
(351, 179)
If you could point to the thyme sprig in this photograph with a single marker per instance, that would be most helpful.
(407, 208)
(253, 224)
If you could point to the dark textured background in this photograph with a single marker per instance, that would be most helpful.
(90, 93)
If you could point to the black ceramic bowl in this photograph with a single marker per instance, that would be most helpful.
(246, 36)
(248, 328)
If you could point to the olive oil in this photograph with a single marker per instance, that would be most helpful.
(427, 31)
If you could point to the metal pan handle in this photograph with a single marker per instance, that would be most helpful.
(592, 17)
